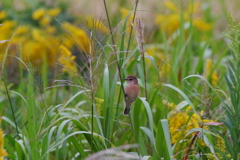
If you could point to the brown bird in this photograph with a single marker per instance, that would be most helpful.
(131, 93)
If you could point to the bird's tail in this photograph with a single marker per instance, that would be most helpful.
(126, 111)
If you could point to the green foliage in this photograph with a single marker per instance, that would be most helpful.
(232, 109)
(78, 115)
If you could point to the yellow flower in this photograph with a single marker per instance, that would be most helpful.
(170, 5)
(93, 23)
(221, 146)
(7, 26)
(165, 69)
(2, 151)
(3, 14)
(38, 14)
(170, 105)
(38, 35)
(7, 29)
(201, 113)
(214, 76)
(79, 36)
(54, 12)
(23, 29)
(51, 29)
(177, 122)
(170, 21)
(33, 53)
(66, 59)
(99, 102)
(37, 51)
(68, 42)
(45, 20)
(201, 25)
(125, 13)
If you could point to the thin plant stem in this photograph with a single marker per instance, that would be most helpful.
(190, 145)
(92, 91)
(10, 102)
(114, 47)
(131, 30)
(92, 125)
(117, 63)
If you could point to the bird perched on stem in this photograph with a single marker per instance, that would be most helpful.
(131, 93)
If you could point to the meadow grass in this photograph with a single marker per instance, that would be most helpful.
(188, 107)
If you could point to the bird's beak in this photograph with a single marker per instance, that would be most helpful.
(125, 79)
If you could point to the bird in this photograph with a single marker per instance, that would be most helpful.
(131, 93)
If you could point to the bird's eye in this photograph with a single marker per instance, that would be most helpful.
(130, 79)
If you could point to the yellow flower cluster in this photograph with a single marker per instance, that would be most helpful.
(220, 146)
(66, 59)
(99, 102)
(3, 14)
(214, 76)
(77, 36)
(171, 106)
(177, 122)
(40, 46)
(97, 24)
(45, 16)
(2, 151)
(170, 22)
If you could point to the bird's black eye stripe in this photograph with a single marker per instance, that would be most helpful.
(130, 79)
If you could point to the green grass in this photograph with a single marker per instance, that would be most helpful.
(50, 115)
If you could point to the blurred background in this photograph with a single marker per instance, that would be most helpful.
(60, 88)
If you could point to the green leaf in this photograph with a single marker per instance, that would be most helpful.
(182, 94)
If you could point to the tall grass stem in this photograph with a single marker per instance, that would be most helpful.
(131, 30)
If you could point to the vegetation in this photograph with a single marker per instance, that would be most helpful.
(62, 88)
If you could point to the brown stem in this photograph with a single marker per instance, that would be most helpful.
(190, 146)
(114, 47)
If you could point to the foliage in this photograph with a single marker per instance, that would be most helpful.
(62, 85)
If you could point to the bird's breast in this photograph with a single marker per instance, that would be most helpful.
(132, 91)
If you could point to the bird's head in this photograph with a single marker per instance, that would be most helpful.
(131, 80)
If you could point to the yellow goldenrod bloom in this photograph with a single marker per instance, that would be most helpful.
(201, 25)
(170, 21)
(7, 30)
(177, 122)
(99, 102)
(214, 76)
(94, 23)
(79, 36)
(2, 151)
(33, 53)
(171, 106)
(7, 26)
(51, 29)
(45, 20)
(3, 14)
(23, 29)
(66, 59)
(54, 12)
(38, 14)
